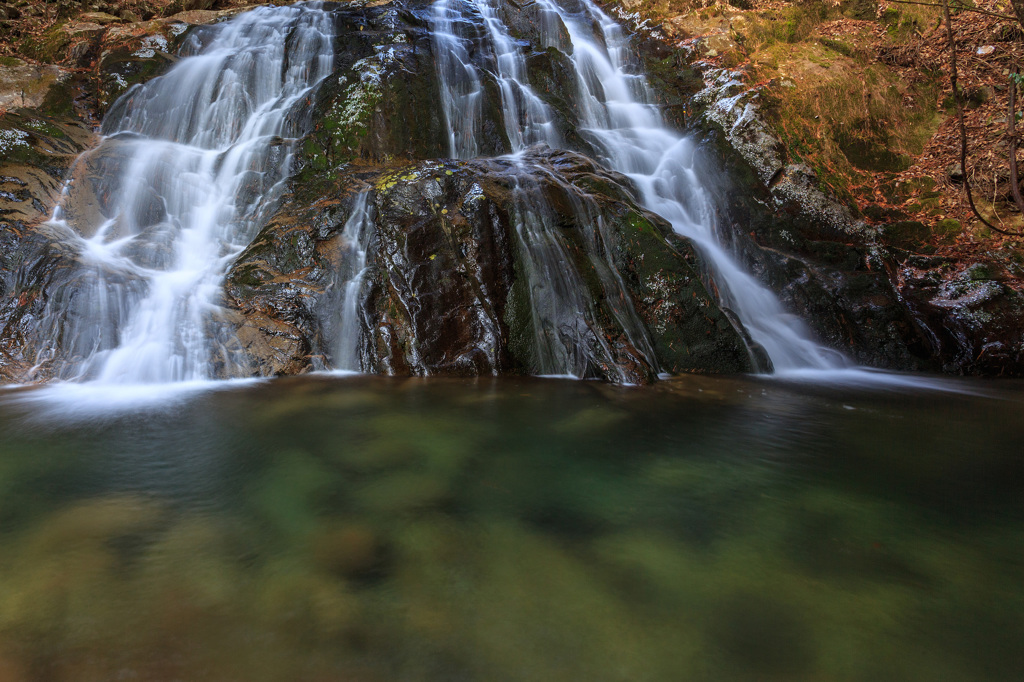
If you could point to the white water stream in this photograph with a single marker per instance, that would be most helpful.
(204, 150)
(616, 115)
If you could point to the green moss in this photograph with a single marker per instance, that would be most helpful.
(59, 101)
(978, 273)
(906, 233)
(862, 10)
(839, 46)
(49, 47)
(636, 221)
(248, 275)
(17, 146)
(872, 154)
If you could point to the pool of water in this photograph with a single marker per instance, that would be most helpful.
(365, 529)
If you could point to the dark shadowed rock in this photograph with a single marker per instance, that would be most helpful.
(451, 286)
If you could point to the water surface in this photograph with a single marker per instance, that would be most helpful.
(362, 528)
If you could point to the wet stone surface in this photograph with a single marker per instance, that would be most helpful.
(447, 290)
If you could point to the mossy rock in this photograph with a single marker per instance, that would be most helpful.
(690, 332)
(948, 229)
(381, 103)
(120, 69)
(873, 155)
(906, 233)
(36, 152)
(452, 281)
(49, 47)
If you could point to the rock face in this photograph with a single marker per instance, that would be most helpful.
(857, 285)
(449, 289)
(37, 153)
(543, 264)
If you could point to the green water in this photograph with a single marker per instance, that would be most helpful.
(364, 529)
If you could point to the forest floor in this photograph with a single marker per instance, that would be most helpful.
(860, 91)
(22, 20)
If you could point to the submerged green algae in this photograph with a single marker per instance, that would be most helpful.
(339, 529)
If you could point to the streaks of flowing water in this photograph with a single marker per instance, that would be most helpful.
(202, 152)
(356, 239)
(615, 115)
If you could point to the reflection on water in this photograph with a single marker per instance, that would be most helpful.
(362, 529)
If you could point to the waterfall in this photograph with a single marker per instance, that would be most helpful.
(616, 116)
(564, 325)
(356, 239)
(195, 162)
(461, 89)
(202, 152)
(634, 140)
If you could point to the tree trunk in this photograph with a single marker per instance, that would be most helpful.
(1018, 9)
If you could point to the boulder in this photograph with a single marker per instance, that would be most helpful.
(36, 155)
(479, 268)
(27, 86)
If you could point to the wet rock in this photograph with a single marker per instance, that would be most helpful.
(27, 86)
(529, 20)
(36, 154)
(270, 347)
(357, 111)
(971, 318)
(88, 195)
(101, 18)
(448, 288)
(43, 270)
(382, 102)
(731, 106)
(120, 69)
(553, 78)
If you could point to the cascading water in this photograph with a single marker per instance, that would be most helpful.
(565, 334)
(202, 152)
(635, 141)
(356, 238)
(461, 89)
(565, 331)
(196, 162)
(616, 117)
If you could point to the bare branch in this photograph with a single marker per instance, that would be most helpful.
(963, 128)
(960, 8)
